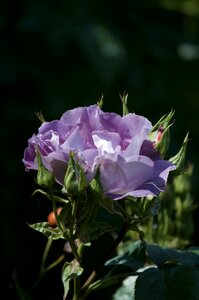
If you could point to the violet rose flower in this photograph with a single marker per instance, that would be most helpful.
(128, 163)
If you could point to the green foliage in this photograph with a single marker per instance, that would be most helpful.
(65, 214)
(165, 274)
(160, 256)
(180, 282)
(70, 271)
(126, 291)
(173, 225)
(134, 257)
(150, 284)
(94, 230)
(46, 229)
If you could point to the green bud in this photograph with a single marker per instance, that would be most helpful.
(179, 159)
(74, 180)
(40, 116)
(124, 98)
(100, 102)
(44, 177)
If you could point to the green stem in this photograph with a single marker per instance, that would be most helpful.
(70, 236)
(43, 269)
(74, 248)
(45, 255)
(55, 263)
(76, 288)
(54, 206)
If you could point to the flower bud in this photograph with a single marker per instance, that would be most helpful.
(160, 133)
(40, 116)
(44, 177)
(162, 140)
(124, 98)
(100, 102)
(75, 180)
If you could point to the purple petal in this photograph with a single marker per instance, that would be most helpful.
(155, 184)
(29, 158)
(74, 141)
(56, 162)
(106, 141)
(112, 177)
(139, 128)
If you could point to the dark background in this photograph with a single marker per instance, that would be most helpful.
(55, 57)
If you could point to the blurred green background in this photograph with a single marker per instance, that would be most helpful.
(59, 55)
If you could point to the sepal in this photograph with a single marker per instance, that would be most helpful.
(179, 159)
